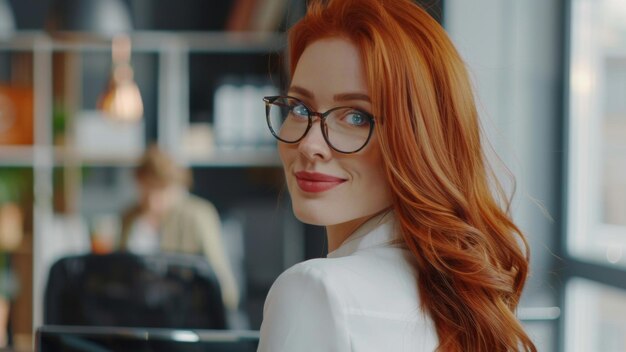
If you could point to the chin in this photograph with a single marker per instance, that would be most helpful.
(309, 216)
(320, 214)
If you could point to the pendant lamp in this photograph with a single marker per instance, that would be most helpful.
(121, 99)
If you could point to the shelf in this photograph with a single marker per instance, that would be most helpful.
(153, 42)
(104, 161)
(24, 156)
(240, 157)
(17, 156)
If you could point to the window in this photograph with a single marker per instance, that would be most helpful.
(595, 237)
(597, 317)
(597, 131)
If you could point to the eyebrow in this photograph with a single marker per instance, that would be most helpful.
(337, 97)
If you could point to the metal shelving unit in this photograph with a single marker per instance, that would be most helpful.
(172, 50)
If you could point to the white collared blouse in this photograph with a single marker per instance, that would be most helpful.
(363, 297)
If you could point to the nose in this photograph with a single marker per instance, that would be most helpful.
(313, 146)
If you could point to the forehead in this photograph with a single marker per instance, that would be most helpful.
(328, 67)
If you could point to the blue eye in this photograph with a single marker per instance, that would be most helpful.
(356, 118)
(300, 110)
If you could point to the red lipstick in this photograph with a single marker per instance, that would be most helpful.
(314, 182)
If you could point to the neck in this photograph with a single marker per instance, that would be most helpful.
(339, 233)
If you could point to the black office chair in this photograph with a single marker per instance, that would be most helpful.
(123, 289)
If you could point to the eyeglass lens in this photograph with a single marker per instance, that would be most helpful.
(347, 130)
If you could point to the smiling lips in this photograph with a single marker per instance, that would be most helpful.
(314, 182)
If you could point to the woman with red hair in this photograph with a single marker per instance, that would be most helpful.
(380, 141)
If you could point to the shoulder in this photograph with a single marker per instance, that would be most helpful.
(373, 266)
(364, 270)
(195, 208)
(198, 203)
(359, 282)
(317, 269)
(366, 301)
(311, 278)
(302, 311)
(348, 283)
(330, 277)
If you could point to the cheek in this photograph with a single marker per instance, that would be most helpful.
(287, 154)
(374, 177)
(282, 152)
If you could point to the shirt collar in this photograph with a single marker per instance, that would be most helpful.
(377, 231)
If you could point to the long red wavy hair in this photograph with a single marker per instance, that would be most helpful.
(472, 260)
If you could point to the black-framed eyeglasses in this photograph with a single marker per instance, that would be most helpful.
(345, 129)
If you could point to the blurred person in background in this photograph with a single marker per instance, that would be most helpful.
(167, 218)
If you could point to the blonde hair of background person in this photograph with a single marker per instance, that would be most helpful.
(184, 223)
(422, 255)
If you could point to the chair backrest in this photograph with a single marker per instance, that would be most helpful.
(123, 289)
